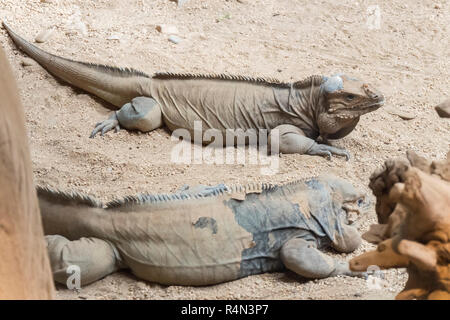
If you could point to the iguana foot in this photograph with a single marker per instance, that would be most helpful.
(326, 151)
(343, 268)
(106, 125)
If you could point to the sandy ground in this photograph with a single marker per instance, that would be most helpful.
(407, 58)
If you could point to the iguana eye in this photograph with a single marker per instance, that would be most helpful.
(350, 97)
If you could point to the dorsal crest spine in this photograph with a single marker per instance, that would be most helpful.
(67, 197)
(165, 198)
(192, 76)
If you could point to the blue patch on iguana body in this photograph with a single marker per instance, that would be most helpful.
(324, 210)
(207, 222)
(273, 220)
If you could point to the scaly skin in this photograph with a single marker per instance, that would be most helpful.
(205, 236)
(300, 112)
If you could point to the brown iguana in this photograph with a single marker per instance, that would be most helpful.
(302, 111)
(205, 236)
(24, 266)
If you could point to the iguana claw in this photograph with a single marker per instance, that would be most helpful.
(106, 125)
(327, 151)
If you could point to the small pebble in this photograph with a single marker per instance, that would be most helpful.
(167, 29)
(113, 37)
(26, 62)
(175, 39)
(402, 114)
(180, 2)
(202, 36)
(443, 109)
(44, 35)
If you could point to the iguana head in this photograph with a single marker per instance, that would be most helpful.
(354, 202)
(345, 100)
(348, 98)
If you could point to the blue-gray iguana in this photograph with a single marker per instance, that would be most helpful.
(204, 237)
(329, 107)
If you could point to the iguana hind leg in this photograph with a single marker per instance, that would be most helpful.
(287, 138)
(94, 257)
(302, 257)
(142, 113)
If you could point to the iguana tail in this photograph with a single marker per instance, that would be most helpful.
(115, 85)
(71, 214)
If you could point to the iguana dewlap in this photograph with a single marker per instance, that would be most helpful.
(302, 111)
(203, 237)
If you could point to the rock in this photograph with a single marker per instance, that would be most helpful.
(175, 39)
(44, 35)
(180, 2)
(401, 114)
(443, 109)
(167, 29)
(202, 36)
(26, 62)
(113, 37)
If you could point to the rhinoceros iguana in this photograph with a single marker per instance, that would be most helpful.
(329, 107)
(205, 236)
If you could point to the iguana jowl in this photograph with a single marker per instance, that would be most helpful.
(302, 111)
(205, 236)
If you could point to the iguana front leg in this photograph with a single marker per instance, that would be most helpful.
(142, 113)
(302, 257)
(348, 240)
(287, 138)
(96, 258)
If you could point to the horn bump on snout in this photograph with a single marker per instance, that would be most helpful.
(373, 94)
